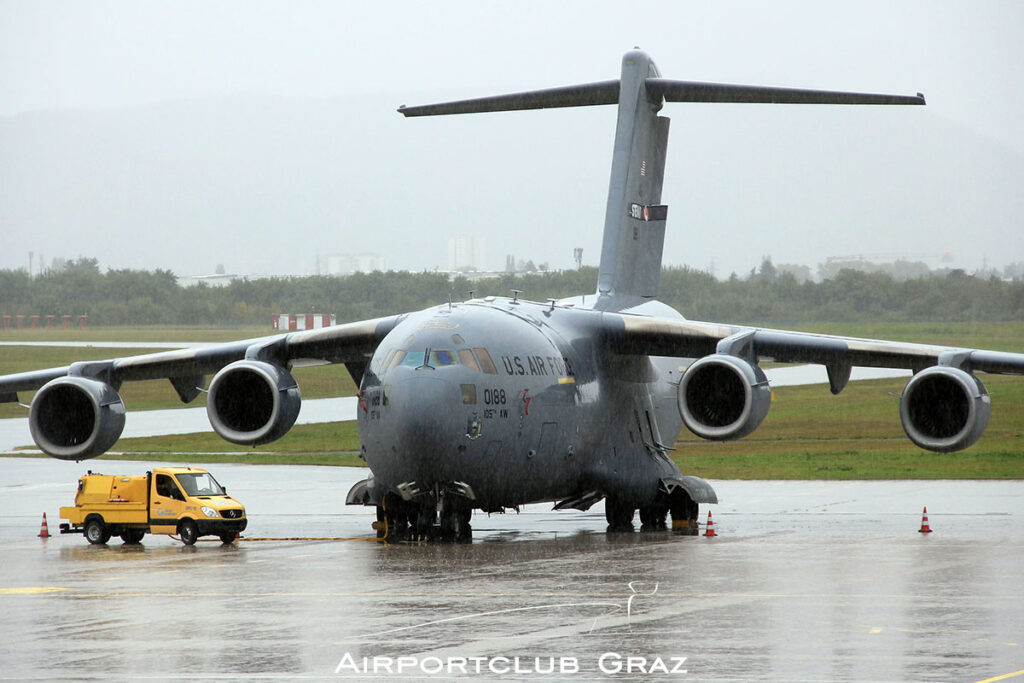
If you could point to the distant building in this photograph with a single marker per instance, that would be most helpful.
(302, 321)
(474, 275)
(218, 280)
(467, 252)
(346, 264)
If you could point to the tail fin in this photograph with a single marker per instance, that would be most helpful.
(634, 220)
(634, 223)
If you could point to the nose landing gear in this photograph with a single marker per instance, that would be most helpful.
(402, 520)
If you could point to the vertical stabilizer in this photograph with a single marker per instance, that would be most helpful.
(634, 222)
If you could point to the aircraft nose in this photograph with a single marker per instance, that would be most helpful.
(429, 419)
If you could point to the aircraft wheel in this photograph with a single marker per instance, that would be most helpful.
(455, 526)
(382, 522)
(682, 506)
(652, 518)
(449, 525)
(132, 536)
(393, 518)
(404, 517)
(425, 522)
(188, 531)
(96, 531)
(684, 511)
(464, 532)
(619, 514)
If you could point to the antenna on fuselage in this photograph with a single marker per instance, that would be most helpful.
(515, 295)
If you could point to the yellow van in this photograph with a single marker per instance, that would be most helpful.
(186, 501)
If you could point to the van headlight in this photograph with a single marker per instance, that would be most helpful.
(209, 512)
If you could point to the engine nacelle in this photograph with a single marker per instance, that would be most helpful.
(723, 397)
(252, 402)
(76, 418)
(944, 409)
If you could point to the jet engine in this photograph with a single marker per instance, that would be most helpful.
(944, 409)
(252, 402)
(723, 397)
(76, 418)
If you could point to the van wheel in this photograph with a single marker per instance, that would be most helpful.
(228, 539)
(96, 531)
(133, 536)
(188, 531)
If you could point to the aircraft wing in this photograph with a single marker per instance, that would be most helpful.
(347, 343)
(633, 334)
(724, 394)
(252, 399)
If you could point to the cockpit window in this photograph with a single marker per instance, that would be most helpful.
(486, 364)
(413, 359)
(475, 359)
(467, 358)
(441, 358)
(379, 365)
(394, 360)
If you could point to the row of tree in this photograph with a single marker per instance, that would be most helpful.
(765, 296)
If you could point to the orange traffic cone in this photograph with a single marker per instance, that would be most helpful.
(925, 529)
(44, 530)
(710, 531)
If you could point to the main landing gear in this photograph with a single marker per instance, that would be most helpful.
(619, 514)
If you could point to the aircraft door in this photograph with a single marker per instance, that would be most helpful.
(548, 440)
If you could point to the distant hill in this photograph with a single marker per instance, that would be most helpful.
(260, 184)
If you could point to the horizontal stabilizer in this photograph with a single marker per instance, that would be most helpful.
(586, 95)
(692, 91)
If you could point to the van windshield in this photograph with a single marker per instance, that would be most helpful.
(200, 484)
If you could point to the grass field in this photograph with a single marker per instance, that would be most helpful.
(808, 434)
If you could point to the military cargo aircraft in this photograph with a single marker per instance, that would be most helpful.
(495, 402)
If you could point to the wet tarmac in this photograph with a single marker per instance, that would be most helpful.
(806, 581)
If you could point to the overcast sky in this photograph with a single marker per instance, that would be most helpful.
(966, 57)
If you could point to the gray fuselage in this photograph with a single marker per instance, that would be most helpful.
(517, 400)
